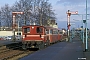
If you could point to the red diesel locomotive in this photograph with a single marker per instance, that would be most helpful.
(35, 36)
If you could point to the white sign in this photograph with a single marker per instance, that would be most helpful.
(76, 12)
(17, 12)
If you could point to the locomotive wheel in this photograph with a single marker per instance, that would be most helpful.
(48, 42)
(24, 47)
(41, 46)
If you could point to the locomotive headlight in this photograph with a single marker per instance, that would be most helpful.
(32, 27)
(42, 37)
(23, 37)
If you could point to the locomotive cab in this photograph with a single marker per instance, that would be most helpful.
(33, 36)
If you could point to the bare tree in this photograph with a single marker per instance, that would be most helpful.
(38, 11)
(46, 12)
(6, 15)
(26, 7)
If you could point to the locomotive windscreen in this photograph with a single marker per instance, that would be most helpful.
(27, 30)
(39, 30)
(33, 30)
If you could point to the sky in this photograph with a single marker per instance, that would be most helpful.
(60, 8)
(10, 2)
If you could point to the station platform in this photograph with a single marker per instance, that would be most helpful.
(61, 51)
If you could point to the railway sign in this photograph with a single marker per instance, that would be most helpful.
(69, 13)
(84, 21)
(17, 12)
(76, 12)
(14, 22)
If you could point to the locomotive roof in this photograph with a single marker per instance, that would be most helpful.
(48, 27)
(31, 25)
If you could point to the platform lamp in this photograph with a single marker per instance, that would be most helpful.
(86, 47)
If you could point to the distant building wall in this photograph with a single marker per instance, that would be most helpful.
(55, 26)
(8, 33)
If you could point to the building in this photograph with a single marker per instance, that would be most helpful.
(8, 31)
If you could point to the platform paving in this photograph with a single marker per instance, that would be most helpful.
(86, 53)
(62, 51)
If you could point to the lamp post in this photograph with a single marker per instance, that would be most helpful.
(83, 28)
(86, 28)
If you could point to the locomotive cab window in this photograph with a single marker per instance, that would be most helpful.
(55, 31)
(61, 32)
(51, 31)
(26, 30)
(39, 30)
(47, 31)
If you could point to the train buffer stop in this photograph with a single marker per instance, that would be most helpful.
(74, 50)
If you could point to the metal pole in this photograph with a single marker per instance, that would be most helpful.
(0, 25)
(14, 26)
(81, 34)
(86, 28)
(18, 27)
(14, 22)
(68, 24)
(83, 28)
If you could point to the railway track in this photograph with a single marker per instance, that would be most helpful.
(13, 53)
(17, 57)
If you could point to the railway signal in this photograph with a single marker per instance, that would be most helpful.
(84, 21)
(14, 20)
(69, 13)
